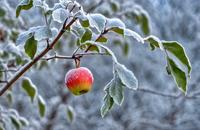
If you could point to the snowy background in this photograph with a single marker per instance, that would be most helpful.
(158, 104)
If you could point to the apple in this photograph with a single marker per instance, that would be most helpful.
(79, 80)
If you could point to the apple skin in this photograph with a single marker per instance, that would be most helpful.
(79, 80)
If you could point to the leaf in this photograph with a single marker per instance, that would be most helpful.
(2, 12)
(114, 22)
(86, 36)
(154, 42)
(1, 126)
(31, 47)
(24, 5)
(39, 33)
(104, 47)
(118, 30)
(29, 88)
(178, 75)
(85, 23)
(179, 52)
(23, 37)
(12, 48)
(108, 103)
(98, 21)
(127, 77)
(9, 96)
(116, 25)
(126, 49)
(59, 15)
(114, 5)
(116, 90)
(70, 114)
(168, 70)
(133, 34)
(144, 24)
(42, 33)
(38, 3)
(15, 122)
(102, 39)
(23, 121)
(93, 47)
(42, 106)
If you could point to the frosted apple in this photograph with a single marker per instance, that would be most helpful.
(79, 80)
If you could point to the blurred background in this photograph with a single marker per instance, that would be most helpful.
(156, 105)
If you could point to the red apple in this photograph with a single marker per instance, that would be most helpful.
(79, 80)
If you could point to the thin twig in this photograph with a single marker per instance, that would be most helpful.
(91, 53)
(168, 95)
(3, 81)
(58, 57)
(158, 93)
(11, 70)
(77, 56)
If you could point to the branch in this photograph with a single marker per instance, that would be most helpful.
(158, 93)
(76, 56)
(194, 96)
(27, 66)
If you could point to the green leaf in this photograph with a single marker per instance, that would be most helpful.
(86, 36)
(2, 12)
(102, 39)
(24, 5)
(42, 106)
(116, 25)
(31, 47)
(125, 48)
(178, 75)
(108, 103)
(29, 88)
(118, 30)
(9, 96)
(2, 125)
(70, 114)
(154, 42)
(85, 23)
(133, 34)
(178, 51)
(116, 90)
(92, 47)
(98, 21)
(144, 20)
(127, 77)
(168, 70)
(15, 122)
(23, 121)
(114, 5)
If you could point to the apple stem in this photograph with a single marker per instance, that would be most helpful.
(77, 62)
